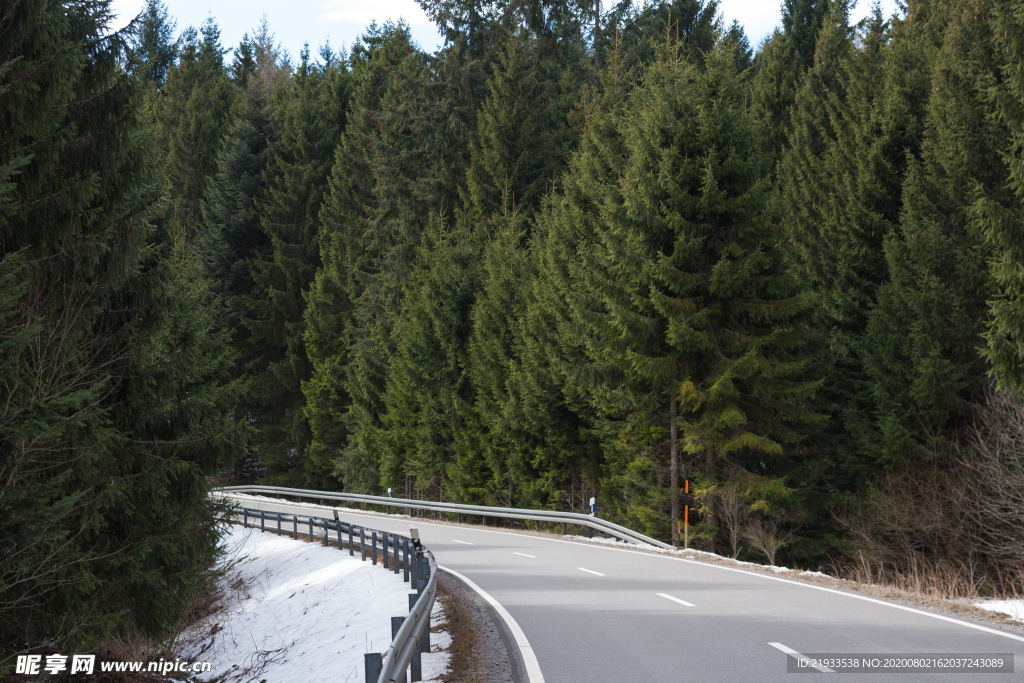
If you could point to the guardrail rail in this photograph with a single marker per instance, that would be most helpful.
(410, 633)
(564, 518)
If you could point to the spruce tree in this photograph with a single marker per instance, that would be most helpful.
(694, 328)
(491, 446)
(522, 138)
(634, 30)
(921, 341)
(999, 214)
(399, 166)
(191, 115)
(311, 119)
(427, 380)
(154, 43)
(856, 123)
(111, 432)
(550, 414)
(801, 22)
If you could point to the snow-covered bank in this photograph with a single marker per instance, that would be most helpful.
(1012, 608)
(297, 611)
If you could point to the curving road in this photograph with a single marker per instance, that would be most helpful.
(601, 614)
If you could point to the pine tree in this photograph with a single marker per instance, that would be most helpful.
(694, 329)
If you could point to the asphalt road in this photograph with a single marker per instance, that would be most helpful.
(600, 614)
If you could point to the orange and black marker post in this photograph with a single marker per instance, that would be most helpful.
(686, 508)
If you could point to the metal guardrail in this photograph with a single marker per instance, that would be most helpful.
(411, 633)
(596, 523)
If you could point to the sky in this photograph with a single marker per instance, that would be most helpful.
(342, 21)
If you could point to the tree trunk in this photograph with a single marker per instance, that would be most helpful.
(674, 456)
(709, 466)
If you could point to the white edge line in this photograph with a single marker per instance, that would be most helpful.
(673, 599)
(794, 653)
(590, 571)
(951, 620)
(529, 658)
(532, 557)
(710, 565)
(462, 542)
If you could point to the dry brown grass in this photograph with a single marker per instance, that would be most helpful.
(462, 667)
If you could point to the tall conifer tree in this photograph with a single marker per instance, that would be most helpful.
(110, 431)
(311, 118)
(999, 215)
(696, 318)
(191, 115)
(923, 358)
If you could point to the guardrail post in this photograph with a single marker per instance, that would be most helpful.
(262, 520)
(416, 667)
(339, 536)
(422, 574)
(384, 542)
(245, 518)
(424, 644)
(564, 532)
(405, 560)
(417, 671)
(373, 547)
(351, 550)
(326, 535)
(394, 556)
(374, 663)
(278, 523)
(310, 529)
(362, 543)
(590, 532)
(396, 623)
(295, 527)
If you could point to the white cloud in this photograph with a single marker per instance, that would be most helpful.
(363, 12)
(125, 11)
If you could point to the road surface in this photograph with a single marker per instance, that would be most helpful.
(604, 614)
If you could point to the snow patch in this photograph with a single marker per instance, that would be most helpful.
(300, 612)
(1012, 608)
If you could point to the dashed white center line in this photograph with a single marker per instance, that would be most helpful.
(681, 602)
(463, 542)
(532, 557)
(794, 653)
(590, 571)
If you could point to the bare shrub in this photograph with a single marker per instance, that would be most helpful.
(764, 534)
(953, 528)
(732, 512)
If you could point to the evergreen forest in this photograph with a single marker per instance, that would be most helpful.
(582, 249)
